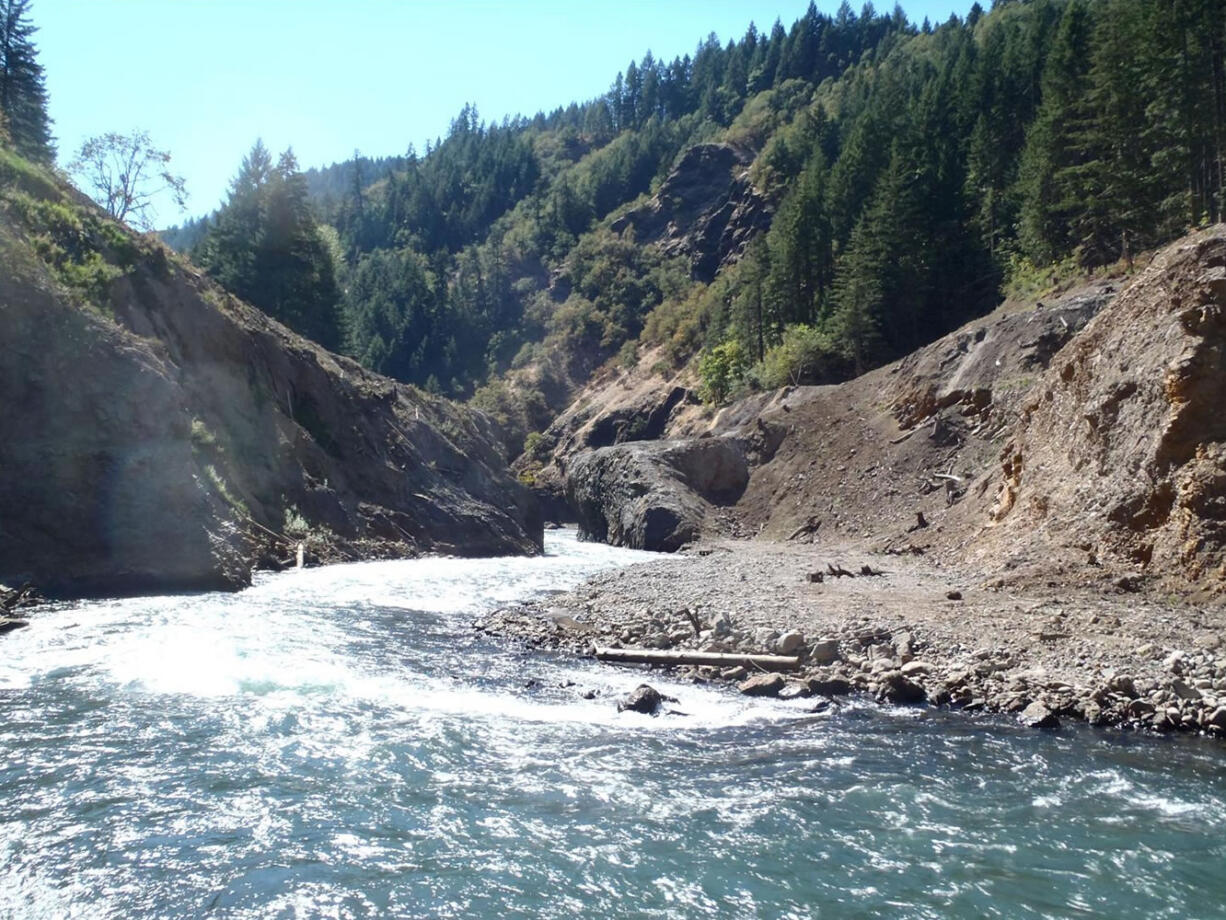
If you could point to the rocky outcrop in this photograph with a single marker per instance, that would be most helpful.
(706, 209)
(159, 434)
(654, 496)
(1120, 449)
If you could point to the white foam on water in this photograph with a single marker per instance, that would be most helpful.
(283, 642)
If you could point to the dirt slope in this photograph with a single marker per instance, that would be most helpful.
(1081, 438)
(1119, 452)
(861, 460)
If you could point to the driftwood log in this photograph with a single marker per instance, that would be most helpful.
(717, 659)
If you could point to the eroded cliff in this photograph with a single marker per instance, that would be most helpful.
(158, 434)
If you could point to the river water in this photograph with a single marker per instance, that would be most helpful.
(338, 742)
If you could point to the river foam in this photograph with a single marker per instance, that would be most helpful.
(339, 743)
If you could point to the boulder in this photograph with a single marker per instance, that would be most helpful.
(762, 685)
(653, 495)
(830, 686)
(645, 699)
(1037, 715)
(789, 643)
(795, 690)
(825, 651)
(895, 688)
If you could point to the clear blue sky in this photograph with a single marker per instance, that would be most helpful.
(207, 77)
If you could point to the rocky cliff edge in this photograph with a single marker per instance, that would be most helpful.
(159, 434)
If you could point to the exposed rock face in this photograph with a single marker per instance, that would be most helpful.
(654, 495)
(986, 367)
(101, 491)
(706, 209)
(171, 437)
(1120, 449)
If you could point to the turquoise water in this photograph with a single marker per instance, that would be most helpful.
(338, 743)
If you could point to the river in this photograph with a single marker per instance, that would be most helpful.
(338, 742)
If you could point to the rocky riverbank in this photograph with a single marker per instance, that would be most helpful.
(906, 631)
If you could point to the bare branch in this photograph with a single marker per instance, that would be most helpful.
(126, 174)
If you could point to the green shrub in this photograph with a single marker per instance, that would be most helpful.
(806, 355)
(722, 369)
(1025, 280)
(628, 355)
(533, 443)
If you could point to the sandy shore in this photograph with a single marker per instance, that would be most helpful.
(908, 632)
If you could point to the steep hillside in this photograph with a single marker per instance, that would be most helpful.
(1119, 452)
(160, 434)
(1079, 438)
(853, 460)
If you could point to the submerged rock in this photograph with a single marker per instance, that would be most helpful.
(794, 690)
(645, 699)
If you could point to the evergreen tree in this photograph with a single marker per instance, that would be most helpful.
(800, 245)
(1115, 185)
(266, 247)
(23, 96)
(1053, 162)
(1185, 61)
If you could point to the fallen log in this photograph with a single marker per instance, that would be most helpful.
(717, 659)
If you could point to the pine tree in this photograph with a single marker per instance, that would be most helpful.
(884, 280)
(800, 245)
(1055, 143)
(1116, 187)
(1185, 61)
(23, 96)
(265, 247)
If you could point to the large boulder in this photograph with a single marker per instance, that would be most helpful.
(653, 495)
(645, 699)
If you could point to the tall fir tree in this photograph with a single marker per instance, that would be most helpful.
(266, 247)
(23, 94)
(1055, 151)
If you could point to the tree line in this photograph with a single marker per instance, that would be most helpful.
(913, 170)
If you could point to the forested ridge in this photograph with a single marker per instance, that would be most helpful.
(911, 171)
